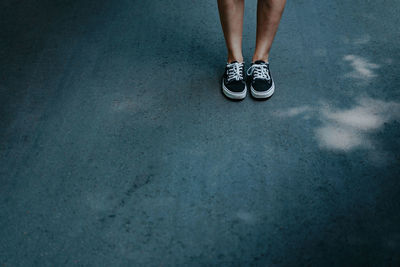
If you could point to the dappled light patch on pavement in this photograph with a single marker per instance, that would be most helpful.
(362, 68)
(347, 129)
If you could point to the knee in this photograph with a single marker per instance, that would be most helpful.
(277, 5)
(229, 3)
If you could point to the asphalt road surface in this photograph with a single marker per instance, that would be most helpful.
(117, 147)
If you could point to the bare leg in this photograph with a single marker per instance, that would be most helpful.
(231, 15)
(269, 13)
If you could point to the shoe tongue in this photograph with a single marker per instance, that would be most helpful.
(259, 62)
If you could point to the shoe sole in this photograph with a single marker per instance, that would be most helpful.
(263, 94)
(234, 95)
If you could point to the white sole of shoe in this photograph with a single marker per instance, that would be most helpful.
(265, 94)
(234, 95)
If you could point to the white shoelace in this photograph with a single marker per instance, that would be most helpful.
(235, 71)
(259, 71)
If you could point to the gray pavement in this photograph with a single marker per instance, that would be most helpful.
(117, 147)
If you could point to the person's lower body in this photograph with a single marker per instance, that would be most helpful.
(269, 13)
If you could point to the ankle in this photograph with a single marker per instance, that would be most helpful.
(232, 58)
(264, 58)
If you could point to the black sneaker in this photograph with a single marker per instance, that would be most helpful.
(233, 83)
(262, 85)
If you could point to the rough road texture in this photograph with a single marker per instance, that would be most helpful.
(117, 147)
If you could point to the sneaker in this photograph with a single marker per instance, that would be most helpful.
(233, 83)
(262, 85)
